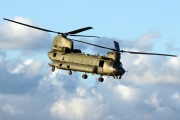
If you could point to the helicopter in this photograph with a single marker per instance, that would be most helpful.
(64, 56)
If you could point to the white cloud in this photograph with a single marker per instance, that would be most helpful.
(170, 46)
(142, 43)
(126, 93)
(1, 59)
(17, 69)
(173, 63)
(9, 109)
(176, 96)
(149, 90)
(151, 69)
(154, 101)
(17, 37)
(78, 108)
(111, 100)
(34, 68)
(20, 67)
(29, 67)
(81, 92)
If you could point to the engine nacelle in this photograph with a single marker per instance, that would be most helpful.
(114, 55)
(61, 41)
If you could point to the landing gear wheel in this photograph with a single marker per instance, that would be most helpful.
(70, 73)
(100, 79)
(84, 76)
(53, 69)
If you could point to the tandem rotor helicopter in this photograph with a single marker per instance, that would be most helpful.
(64, 56)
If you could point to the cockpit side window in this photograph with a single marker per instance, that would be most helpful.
(118, 64)
(54, 54)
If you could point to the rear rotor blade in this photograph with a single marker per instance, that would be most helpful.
(131, 52)
(93, 44)
(79, 30)
(84, 36)
(32, 26)
(145, 53)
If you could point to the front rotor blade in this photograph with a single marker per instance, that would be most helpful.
(93, 44)
(32, 26)
(116, 45)
(84, 36)
(79, 30)
(145, 53)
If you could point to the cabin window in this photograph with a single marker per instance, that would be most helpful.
(62, 58)
(110, 64)
(101, 63)
(54, 54)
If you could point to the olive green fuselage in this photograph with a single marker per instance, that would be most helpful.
(94, 64)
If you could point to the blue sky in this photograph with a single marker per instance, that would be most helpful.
(149, 90)
(120, 19)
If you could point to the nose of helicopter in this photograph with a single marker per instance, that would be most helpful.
(120, 71)
(117, 71)
(50, 54)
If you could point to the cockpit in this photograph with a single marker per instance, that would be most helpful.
(118, 65)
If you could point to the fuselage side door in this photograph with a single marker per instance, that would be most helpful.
(100, 67)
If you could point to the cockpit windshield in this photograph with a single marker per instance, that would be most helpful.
(117, 65)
